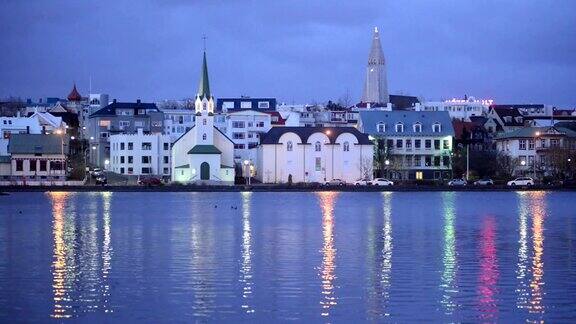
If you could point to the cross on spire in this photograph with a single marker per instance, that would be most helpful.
(204, 41)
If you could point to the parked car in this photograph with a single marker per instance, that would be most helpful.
(362, 182)
(381, 182)
(335, 182)
(484, 182)
(523, 181)
(101, 180)
(96, 172)
(151, 181)
(457, 182)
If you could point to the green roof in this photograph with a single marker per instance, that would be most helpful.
(185, 166)
(37, 144)
(528, 132)
(204, 149)
(226, 166)
(204, 86)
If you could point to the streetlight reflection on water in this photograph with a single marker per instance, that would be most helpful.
(328, 266)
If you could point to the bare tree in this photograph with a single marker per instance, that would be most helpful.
(506, 165)
(366, 168)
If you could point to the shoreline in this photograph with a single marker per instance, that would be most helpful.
(278, 188)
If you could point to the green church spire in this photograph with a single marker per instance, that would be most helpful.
(204, 86)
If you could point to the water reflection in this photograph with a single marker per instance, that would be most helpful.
(487, 289)
(448, 284)
(246, 269)
(327, 269)
(387, 248)
(80, 268)
(530, 273)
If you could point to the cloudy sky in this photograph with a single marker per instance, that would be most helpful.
(513, 51)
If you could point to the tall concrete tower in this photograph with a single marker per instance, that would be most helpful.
(376, 85)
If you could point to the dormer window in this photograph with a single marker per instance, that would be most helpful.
(519, 119)
(417, 128)
(381, 127)
(508, 119)
(436, 128)
(399, 128)
(317, 147)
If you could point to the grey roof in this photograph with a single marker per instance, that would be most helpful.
(110, 110)
(37, 143)
(371, 118)
(530, 132)
(185, 166)
(274, 134)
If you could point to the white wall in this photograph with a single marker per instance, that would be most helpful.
(157, 154)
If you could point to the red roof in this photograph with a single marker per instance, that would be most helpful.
(280, 120)
(460, 126)
(74, 95)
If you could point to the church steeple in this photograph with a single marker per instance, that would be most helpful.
(204, 102)
(376, 85)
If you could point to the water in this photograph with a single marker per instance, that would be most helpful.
(314, 257)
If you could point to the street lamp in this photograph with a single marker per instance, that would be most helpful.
(387, 163)
(247, 167)
(106, 163)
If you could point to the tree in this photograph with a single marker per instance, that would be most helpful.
(366, 168)
(506, 165)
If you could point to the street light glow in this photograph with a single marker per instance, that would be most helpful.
(387, 162)
(94, 147)
(107, 162)
(72, 137)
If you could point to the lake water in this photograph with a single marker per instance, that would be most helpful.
(314, 257)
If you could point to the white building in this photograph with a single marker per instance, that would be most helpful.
(177, 122)
(49, 123)
(313, 154)
(16, 125)
(244, 128)
(461, 109)
(140, 154)
(203, 154)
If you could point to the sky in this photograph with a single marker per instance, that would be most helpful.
(511, 51)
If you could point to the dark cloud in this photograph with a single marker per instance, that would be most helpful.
(512, 51)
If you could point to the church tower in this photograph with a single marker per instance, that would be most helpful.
(204, 108)
(376, 85)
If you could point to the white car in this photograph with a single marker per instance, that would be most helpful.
(524, 181)
(457, 182)
(335, 182)
(484, 182)
(362, 182)
(381, 182)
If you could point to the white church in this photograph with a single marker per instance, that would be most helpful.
(203, 154)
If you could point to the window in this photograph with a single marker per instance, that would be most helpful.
(104, 123)
(203, 121)
(531, 144)
(417, 128)
(436, 128)
(260, 124)
(238, 135)
(122, 159)
(399, 128)
(130, 146)
(204, 136)
(346, 147)
(380, 127)
(122, 146)
(543, 143)
(246, 104)
(130, 159)
(446, 144)
(408, 143)
(427, 160)
(146, 170)
(417, 160)
(289, 146)
(399, 143)
(390, 143)
(166, 159)
(436, 161)
(146, 159)
(263, 104)
(121, 170)
(166, 170)
(446, 161)
(554, 142)
(166, 146)
(103, 135)
(33, 165)
(124, 123)
(531, 160)
(427, 144)
(408, 160)
(419, 175)
(19, 165)
(417, 144)
(521, 158)
(522, 144)
(318, 164)
(239, 146)
(238, 124)
(42, 165)
(146, 146)
(139, 123)
(130, 170)
(317, 147)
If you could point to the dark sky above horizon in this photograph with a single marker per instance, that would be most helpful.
(513, 51)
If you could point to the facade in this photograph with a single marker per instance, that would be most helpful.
(536, 151)
(244, 128)
(461, 109)
(37, 158)
(49, 123)
(376, 84)
(178, 121)
(411, 145)
(503, 120)
(314, 154)
(140, 154)
(258, 104)
(203, 154)
(120, 117)
(16, 125)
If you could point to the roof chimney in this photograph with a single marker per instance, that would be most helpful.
(138, 101)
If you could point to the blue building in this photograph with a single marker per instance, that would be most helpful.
(258, 104)
(410, 145)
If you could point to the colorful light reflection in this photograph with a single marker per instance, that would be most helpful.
(327, 269)
(246, 278)
(448, 284)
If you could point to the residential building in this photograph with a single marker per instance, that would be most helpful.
(410, 145)
(376, 84)
(140, 154)
(503, 120)
(536, 150)
(124, 118)
(313, 154)
(16, 125)
(461, 109)
(178, 121)
(49, 123)
(37, 157)
(204, 154)
(258, 104)
(244, 128)
(527, 109)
